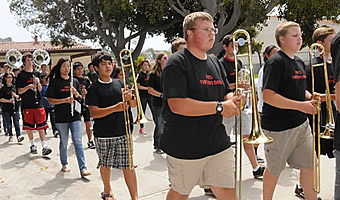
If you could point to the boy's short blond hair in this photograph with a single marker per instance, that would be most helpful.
(189, 21)
(320, 34)
(282, 29)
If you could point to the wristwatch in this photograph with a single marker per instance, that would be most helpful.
(219, 107)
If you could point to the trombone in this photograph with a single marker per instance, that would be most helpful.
(256, 136)
(315, 50)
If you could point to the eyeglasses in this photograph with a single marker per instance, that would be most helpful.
(207, 30)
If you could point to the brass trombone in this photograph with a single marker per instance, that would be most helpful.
(315, 50)
(256, 136)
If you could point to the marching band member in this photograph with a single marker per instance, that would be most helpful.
(195, 87)
(58, 94)
(104, 99)
(29, 88)
(284, 112)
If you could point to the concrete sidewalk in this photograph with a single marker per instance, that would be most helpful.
(27, 176)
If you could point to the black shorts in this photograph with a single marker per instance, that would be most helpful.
(86, 114)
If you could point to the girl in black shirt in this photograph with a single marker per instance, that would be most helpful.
(10, 107)
(58, 94)
(156, 90)
(142, 83)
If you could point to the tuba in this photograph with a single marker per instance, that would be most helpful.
(14, 59)
(256, 136)
(41, 57)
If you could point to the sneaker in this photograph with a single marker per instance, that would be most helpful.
(259, 172)
(20, 138)
(209, 192)
(159, 151)
(46, 151)
(141, 131)
(91, 145)
(259, 160)
(34, 149)
(10, 139)
(6, 132)
(56, 133)
(84, 173)
(299, 192)
(65, 168)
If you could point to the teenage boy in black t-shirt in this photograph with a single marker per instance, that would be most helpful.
(195, 87)
(286, 103)
(335, 52)
(228, 62)
(104, 99)
(29, 88)
(84, 84)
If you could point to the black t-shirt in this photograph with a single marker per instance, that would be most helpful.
(286, 77)
(103, 95)
(155, 83)
(229, 66)
(92, 76)
(6, 93)
(143, 81)
(30, 99)
(84, 83)
(59, 88)
(186, 76)
(335, 53)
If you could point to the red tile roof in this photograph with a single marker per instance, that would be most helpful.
(46, 45)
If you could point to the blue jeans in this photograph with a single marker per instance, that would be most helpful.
(337, 175)
(8, 121)
(159, 126)
(75, 128)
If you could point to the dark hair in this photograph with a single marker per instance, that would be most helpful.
(55, 72)
(88, 65)
(267, 51)
(26, 55)
(322, 33)
(77, 64)
(157, 68)
(142, 62)
(5, 76)
(178, 42)
(100, 56)
(115, 72)
(227, 39)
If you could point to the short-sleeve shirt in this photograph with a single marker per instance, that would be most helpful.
(102, 95)
(155, 83)
(143, 79)
(30, 99)
(186, 76)
(229, 66)
(6, 93)
(84, 83)
(59, 88)
(286, 77)
(92, 76)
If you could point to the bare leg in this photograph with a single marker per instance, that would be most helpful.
(306, 180)
(131, 182)
(250, 151)
(88, 130)
(269, 184)
(30, 134)
(173, 195)
(105, 174)
(223, 193)
(42, 134)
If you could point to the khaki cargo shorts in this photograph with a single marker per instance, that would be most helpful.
(293, 146)
(216, 170)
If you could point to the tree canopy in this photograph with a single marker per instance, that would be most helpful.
(114, 23)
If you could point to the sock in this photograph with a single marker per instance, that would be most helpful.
(299, 185)
(43, 144)
(256, 168)
(32, 142)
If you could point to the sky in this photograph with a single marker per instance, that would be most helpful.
(10, 28)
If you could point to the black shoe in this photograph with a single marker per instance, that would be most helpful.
(209, 192)
(46, 151)
(56, 133)
(34, 149)
(91, 145)
(259, 160)
(159, 151)
(299, 192)
(259, 172)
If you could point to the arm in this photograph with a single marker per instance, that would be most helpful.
(153, 92)
(337, 95)
(141, 87)
(274, 99)
(97, 112)
(53, 101)
(24, 89)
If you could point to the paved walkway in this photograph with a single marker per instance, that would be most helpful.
(26, 176)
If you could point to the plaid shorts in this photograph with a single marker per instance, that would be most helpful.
(112, 152)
